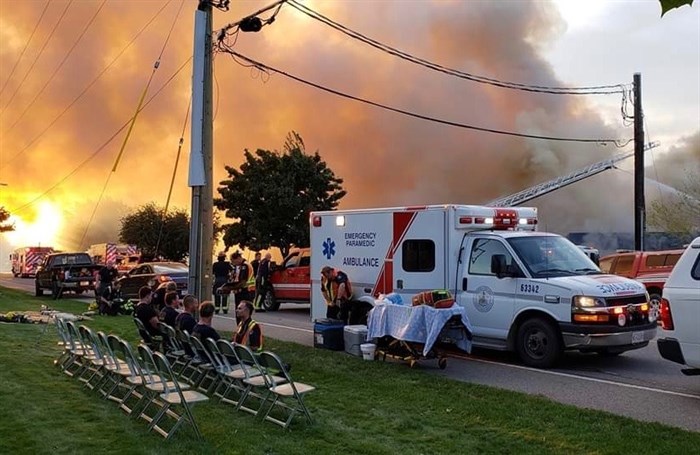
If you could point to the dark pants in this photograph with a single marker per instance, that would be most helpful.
(219, 299)
(351, 312)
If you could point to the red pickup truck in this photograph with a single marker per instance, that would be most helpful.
(650, 268)
(291, 280)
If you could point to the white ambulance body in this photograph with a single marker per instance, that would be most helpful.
(531, 292)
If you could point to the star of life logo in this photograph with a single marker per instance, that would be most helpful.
(483, 299)
(328, 248)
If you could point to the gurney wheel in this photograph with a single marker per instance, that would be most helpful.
(442, 363)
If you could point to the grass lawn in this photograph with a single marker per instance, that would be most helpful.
(358, 407)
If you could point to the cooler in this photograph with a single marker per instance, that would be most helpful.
(354, 336)
(328, 334)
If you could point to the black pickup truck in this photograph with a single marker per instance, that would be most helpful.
(61, 272)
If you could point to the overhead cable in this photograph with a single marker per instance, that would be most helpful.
(80, 95)
(263, 67)
(21, 54)
(41, 51)
(58, 68)
(101, 147)
(591, 90)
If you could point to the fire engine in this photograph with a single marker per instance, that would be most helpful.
(26, 260)
(532, 292)
(124, 256)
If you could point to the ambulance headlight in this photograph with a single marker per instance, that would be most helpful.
(582, 301)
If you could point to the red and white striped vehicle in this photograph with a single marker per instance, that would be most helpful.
(25, 260)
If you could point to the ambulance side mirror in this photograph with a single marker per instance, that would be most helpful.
(499, 267)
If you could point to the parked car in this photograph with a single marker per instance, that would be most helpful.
(651, 268)
(291, 280)
(152, 274)
(680, 312)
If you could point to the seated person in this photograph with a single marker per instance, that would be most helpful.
(145, 312)
(186, 320)
(248, 332)
(169, 312)
(159, 294)
(203, 329)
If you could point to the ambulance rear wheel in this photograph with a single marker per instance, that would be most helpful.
(538, 343)
(269, 302)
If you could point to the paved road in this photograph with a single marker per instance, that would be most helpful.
(637, 384)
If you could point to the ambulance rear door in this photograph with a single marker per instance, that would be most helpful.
(419, 257)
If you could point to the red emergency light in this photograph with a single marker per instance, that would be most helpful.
(316, 221)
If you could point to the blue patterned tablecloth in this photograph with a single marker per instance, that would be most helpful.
(419, 324)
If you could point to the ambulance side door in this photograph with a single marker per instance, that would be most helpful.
(419, 259)
(490, 301)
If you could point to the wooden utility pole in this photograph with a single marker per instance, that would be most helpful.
(200, 172)
(639, 202)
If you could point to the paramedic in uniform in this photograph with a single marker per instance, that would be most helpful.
(337, 292)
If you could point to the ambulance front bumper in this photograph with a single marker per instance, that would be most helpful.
(591, 338)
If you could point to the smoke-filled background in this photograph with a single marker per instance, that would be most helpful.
(62, 112)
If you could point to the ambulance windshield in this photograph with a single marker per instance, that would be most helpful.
(550, 256)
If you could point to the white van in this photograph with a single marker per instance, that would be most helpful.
(680, 312)
(531, 292)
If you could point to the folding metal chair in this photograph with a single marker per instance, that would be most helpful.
(93, 360)
(70, 352)
(189, 372)
(117, 369)
(209, 377)
(175, 399)
(76, 362)
(236, 373)
(257, 382)
(289, 395)
(227, 379)
(174, 350)
(135, 381)
(153, 342)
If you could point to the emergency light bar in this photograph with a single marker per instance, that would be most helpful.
(508, 219)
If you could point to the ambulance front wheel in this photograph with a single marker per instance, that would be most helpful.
(538, 344)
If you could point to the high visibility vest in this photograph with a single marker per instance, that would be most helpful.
(242, 335)
(329, 288)
(250, 284)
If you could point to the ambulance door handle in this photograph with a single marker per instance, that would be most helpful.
(399, 284)
(464, 284)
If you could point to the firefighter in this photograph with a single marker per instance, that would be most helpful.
(222, 271)
(248, 332)
(262, 282)
(238, 279)
(337, 292)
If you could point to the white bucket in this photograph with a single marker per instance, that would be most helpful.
(367, 351)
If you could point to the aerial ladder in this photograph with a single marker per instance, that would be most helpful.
(560, 182)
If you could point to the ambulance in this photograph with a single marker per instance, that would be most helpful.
(531, 292)
(26, 260)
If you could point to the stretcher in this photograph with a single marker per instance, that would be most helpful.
(415, 333)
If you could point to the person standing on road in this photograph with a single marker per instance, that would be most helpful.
(238, 279)
(255, 263)
(262, 282)
(222, 270)
(105, 278)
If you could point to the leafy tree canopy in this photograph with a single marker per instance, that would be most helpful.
(4, 216)
(668, 5)
(272, 194)
(679, 213)
(143, 227)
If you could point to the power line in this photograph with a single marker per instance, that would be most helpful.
(80, 95)
(101, 147)
(41, 51)
(263, 67)
(591, 90)
(60, 65)
(21, 54)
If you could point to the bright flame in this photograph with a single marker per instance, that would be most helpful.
(42, 231)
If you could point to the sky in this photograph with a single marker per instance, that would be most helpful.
(72, 74)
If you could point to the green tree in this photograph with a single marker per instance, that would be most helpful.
(143, 228)
(668, 5)
(680, 212)
(270, 197)
(4, 216)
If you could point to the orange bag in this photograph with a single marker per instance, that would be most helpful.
(435, 299)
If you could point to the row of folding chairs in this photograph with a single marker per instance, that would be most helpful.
(232, 373)
(142, 385)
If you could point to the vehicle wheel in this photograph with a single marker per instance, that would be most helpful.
(37, 289)
(79, 291)
(269, 302)
(15, 274)
(538, 343)
(655, 303)
(442, 363)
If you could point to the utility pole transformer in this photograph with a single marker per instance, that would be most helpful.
(639, 202)
(200, 171)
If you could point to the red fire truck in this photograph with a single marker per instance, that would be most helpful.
(25, 260)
